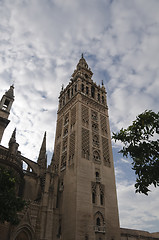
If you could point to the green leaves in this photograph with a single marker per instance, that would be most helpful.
(10, 203)
(143, 149)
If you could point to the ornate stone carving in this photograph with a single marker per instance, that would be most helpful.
(85, 115)
(85, 143)
(72, 148)
(106, 157)
(103, 123)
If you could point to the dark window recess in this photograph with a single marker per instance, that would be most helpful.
(76, 88)
(82, 87)
(72, 92)
(99, 97)
(98, 221)
(93, 197)
(103, 99)
(87, 90)
(97, 174)
(92, 92)
(101, 199)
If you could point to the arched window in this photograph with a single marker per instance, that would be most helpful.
(96, 156)
(25, 232)
(82, 87)
(101, 199)
(87, 90)
(92, 92)
(97, 174)
(98, 223)
(103, 99)
(93, 197)
(99, 97)
(95, 140)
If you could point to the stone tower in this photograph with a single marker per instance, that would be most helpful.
(83, 160)
(5, 106)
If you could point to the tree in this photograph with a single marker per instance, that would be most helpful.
(140, 144)
(10, 203)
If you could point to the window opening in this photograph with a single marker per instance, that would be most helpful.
(98, 221)
(68, 93)
(101, 199)
(87, 90)
(6, 104)
(93, 197)
(103, 99)
(96, 156)
(82, 87)
(97, 174)
(99, 97)
(92, 92)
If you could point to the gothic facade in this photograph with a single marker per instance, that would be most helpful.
(74, 198)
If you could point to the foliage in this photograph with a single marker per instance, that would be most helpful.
(140, 145)
(10, 203)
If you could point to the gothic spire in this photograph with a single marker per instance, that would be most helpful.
(10, 92)
(13, 137)
(82, 66)
(42, 159)
(13, 145)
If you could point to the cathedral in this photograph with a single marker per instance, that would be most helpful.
(74, 198)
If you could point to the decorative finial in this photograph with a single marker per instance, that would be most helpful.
(102, 83)
(82, 55)
(62, 87)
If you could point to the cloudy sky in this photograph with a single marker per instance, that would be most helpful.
(41, 42)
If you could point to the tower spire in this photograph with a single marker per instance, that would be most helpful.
(13, 145)
(42, 159)
(5, 107)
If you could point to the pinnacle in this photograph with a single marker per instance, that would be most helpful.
(10, 92)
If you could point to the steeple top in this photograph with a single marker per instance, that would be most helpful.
(82, 63)
(13, 145)
(42, 159)
(10, 92)
(82, 68)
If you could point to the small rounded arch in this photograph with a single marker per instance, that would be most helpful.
(99, 219)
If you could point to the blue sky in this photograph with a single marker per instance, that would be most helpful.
(40, 45)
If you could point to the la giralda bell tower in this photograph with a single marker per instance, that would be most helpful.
(86, 204)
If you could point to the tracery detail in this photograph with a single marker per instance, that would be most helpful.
(96, 156)
(95, 126)
(59, 128)
(103, 122)
(94, 115)
(72, 148)
(96, 140)
(85, 115)
(64, 147)
(63, 161)
(73, 115)
(85, 143)
(106, 156)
